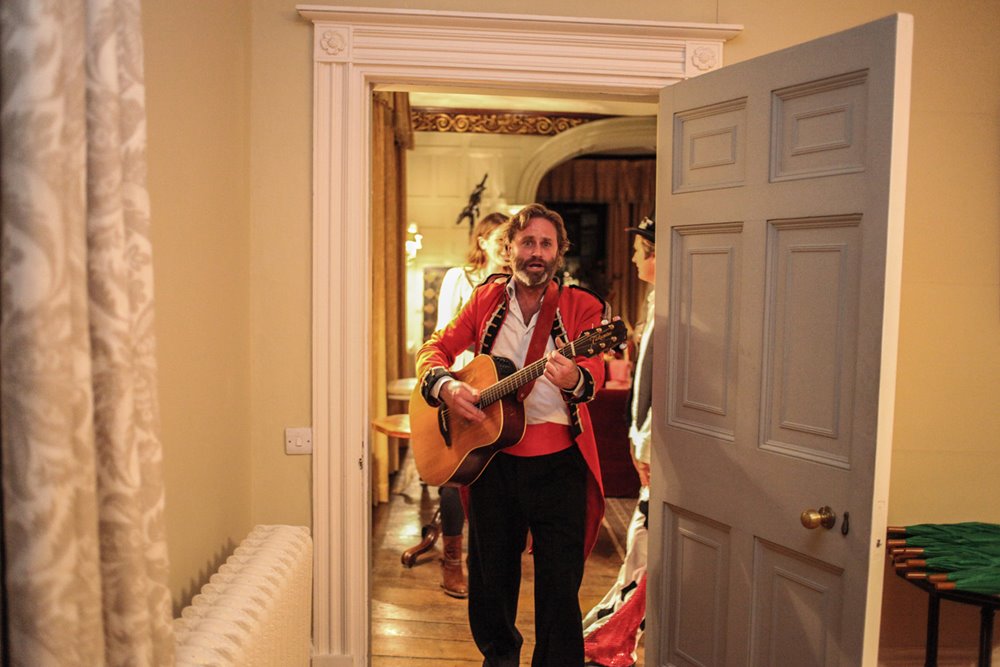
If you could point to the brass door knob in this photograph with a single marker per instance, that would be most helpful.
(824, 516)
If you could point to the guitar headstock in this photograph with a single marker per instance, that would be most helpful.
(602, 338)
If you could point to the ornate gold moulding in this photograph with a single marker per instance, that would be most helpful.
(484, 121)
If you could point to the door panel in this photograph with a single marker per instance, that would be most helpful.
(780, 223)
(704, 359)
(796, 609)
(700, 577)
(819, 127)
(811, 315)
(711, 148)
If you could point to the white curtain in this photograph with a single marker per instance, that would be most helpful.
(85, 562)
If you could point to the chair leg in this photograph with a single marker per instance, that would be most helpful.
(429, 535)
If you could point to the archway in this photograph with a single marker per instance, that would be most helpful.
(602, 135)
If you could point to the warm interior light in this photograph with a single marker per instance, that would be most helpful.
(414, 241)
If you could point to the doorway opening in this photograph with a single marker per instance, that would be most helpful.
(460, 151)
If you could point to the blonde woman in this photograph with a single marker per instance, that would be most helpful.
(487, 255)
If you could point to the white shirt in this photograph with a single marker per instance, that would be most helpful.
(640, 431)
(545, 402)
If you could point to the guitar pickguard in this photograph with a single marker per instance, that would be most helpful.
(505, 367)
(443, 427)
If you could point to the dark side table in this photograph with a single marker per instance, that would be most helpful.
(988, 604)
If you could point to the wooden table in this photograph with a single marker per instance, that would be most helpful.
(385, 453)
(607, 414)
(394, 426)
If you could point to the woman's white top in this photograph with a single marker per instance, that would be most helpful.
(456, 290)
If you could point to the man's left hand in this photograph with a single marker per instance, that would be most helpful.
(561, 372)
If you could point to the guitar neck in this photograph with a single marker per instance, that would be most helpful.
(532, 371)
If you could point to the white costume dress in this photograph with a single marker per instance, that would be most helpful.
(613, 627)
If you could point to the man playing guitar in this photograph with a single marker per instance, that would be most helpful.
(549, 481)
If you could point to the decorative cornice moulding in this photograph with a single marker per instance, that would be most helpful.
(587, 47)
(487, 121)
(332, 43)
(493, 21)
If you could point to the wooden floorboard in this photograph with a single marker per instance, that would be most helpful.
(413, 623)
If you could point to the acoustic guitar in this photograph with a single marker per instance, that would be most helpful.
(450, 450)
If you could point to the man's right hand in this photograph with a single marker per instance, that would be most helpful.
(461, 398)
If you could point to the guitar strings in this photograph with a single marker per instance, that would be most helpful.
(532, 371)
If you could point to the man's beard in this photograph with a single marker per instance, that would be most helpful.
(531, 278)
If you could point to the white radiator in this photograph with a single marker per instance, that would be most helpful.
(256, 610)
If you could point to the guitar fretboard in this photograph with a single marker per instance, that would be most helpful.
(582, 345)
(515, 381)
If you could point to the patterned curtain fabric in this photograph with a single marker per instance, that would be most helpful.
(392, 136)
(628, 187)
(85, 551)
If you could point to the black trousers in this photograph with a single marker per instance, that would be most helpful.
(546, 495)
(452, 512)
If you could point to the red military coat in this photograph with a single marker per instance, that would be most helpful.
(476, 326)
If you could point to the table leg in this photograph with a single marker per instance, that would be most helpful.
(986, 636)
(933, 613)
(429, 535)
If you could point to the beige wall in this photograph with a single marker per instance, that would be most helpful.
(281, 258)
(230, 124)
(198, 111)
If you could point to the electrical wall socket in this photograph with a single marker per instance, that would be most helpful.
(299, 440)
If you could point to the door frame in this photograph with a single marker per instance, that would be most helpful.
(356, 50)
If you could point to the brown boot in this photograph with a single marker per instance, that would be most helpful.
(452, 577)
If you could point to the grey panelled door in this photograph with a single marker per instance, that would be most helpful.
(780, 237)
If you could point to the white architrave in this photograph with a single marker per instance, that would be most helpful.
(355, 49)
(601, 135)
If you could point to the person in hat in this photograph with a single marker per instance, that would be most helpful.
(613, 627)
